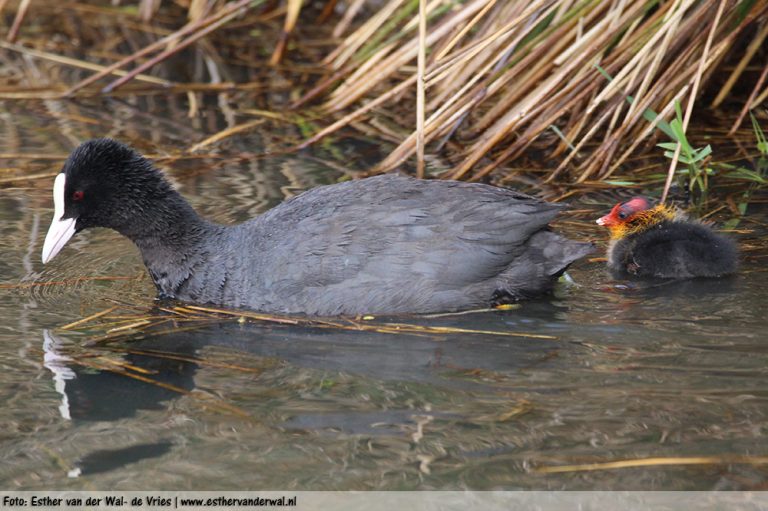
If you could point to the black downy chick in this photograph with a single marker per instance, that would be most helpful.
(662, 242)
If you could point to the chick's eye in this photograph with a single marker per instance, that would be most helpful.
(77, 195)
(623, 215)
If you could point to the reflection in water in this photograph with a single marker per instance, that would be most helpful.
(62, 373)
(156, 370)
(109, 395)
(112, 459)
(691, 289)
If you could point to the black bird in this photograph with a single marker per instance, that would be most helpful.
(385, 244)
(662, 242)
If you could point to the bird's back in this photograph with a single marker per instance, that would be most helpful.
(391, 244)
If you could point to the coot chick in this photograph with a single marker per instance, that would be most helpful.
(662, 242)
(385, 244)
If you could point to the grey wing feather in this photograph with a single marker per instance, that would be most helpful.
(397, 243)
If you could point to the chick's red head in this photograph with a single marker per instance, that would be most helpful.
(624, 212)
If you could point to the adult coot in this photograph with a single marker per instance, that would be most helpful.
(662, 242)
(385, 244)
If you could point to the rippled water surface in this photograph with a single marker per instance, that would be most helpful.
(598, 372)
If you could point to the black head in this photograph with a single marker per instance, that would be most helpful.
(103, 183)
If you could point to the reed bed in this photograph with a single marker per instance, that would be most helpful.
(584, 85)
(504, 75)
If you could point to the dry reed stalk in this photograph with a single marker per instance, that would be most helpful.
(359, 83)
(478, 94)
(754, 99)
(598, 125)
(27, 177)
(500, 75)
(221, 135)
(133, 325)
(124, 365)
(449, 45)
(245, 314)
(147, 9)
(760, 98)
(275, 116)
(88, 319)
(477, 51)
(328, 8)
(358, 113)
(412, 24)
(403, 327)
(357, 39)
(21, 12)
(576, 124)
(57, 92)
(33, 156)
(291, 16)
(656, 462)
(318, 89)
(198, 9)
(349, 14)
(82, 64)
(420, 89)
(127, 334)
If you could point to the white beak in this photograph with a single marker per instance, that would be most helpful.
(61, 229)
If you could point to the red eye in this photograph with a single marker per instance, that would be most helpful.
(78, 195)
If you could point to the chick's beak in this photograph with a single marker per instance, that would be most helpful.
(61, 229)
(604, 220)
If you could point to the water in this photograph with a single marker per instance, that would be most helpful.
(629, 373)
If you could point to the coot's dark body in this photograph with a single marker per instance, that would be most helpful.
(674, 250)
(386, 244)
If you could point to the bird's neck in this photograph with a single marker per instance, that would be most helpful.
(168, 230)
(173, 240)
(166, 219)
